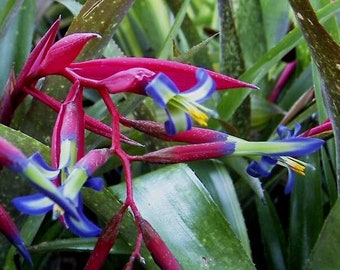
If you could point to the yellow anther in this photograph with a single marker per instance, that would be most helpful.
(296, 165)
(199, 116)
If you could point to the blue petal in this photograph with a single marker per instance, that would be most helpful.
(286, 133)
(161, 89)
(21, 247)
(46, 187)
(299, 146)
(178, 121)
(95, 183)
(261, 168)
(204, 88)
(36, 204)
(82, 227)
(291, 180)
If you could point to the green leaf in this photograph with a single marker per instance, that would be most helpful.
(231, 100)
(306, 214)
(144, 29)
(16, 35)
(275, 20)
(191, 29)
(181, 210)
(272, 234)
(217, 180)
(251, 30)
(71, 5)
(165, 51)
(78, 245)
(325, 254)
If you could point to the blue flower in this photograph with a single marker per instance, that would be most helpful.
(60, 186)
(79, 176)
(283, 153)
(181, 107)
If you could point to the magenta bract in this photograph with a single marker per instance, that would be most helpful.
(183, 75)
(38, 54)
(63, 52)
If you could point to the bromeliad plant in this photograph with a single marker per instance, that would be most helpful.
(178, 89)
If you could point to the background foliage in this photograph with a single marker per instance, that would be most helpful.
(209, 213)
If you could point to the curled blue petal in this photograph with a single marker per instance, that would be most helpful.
(291, 180)
(95, 183)
(161, 89)
(261, 168)
(204, 88)
(82, 227)
(287, 133)
(36, 204)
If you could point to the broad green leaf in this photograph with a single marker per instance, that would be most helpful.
(25, 143)
(181, 210)
(325, 253)
(217, 180)
(7, 14)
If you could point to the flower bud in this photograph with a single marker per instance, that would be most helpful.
(185, 153)
(159, 251)
(194, 135)
(8, 228)
(105, 241)
(132, 80)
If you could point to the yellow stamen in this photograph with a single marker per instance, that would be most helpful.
(199, 116)
(296, 165)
